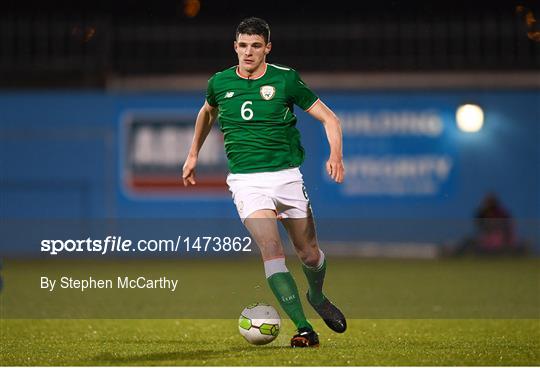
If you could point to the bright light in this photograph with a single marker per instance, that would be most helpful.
(191, 8)
(470, 118)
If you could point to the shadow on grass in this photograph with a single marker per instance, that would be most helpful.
(180, 356)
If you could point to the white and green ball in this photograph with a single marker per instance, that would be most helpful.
(259, 323)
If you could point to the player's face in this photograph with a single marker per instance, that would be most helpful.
(251, 51)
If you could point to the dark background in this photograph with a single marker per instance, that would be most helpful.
(83, 43)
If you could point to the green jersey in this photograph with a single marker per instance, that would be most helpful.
(257, 119)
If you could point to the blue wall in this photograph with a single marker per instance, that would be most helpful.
(61, 158)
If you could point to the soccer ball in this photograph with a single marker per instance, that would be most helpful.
(259, 323)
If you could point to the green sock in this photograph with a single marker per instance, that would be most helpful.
(285, 290)
(315, 278)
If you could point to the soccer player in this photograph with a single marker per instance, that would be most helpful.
(254, 104)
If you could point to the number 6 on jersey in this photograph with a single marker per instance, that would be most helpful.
(246, 112)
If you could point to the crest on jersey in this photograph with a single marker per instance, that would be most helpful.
(268, 92)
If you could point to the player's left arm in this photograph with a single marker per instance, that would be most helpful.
(332, 127)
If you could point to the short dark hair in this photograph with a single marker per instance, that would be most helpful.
(254, 26)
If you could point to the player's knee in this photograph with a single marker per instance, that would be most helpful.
(310, 257)
(271, 245)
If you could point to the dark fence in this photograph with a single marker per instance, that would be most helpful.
(44, 46)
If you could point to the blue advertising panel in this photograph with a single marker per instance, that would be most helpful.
(397, 152)
(98, 155)
(153, 144)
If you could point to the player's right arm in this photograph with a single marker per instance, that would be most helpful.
(205, 119)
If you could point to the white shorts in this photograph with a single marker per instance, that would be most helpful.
(282, 191)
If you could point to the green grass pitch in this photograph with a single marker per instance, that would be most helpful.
(401, 312)
(216, 342)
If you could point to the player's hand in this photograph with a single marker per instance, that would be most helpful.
(335, 169)
(188, 171)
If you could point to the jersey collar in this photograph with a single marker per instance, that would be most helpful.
(252, 77)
